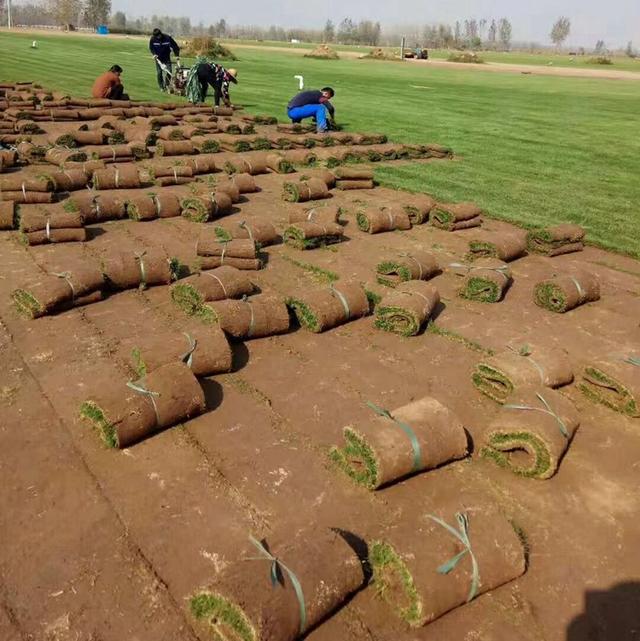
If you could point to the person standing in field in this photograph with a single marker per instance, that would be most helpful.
(161, 45)
(109, 85)
(205, 73)
(313, 104)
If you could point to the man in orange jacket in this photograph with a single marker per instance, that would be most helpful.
(108, 85)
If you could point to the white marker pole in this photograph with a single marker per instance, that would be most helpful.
(300, 80)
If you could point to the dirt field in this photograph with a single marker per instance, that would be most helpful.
(108, 545)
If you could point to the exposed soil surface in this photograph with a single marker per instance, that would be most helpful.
(109, 545)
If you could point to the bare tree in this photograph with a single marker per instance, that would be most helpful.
(119, 20)
(560, 30)
(96, 12)
(505, 31)
(66, 12)
(329, 33)
(493, 33)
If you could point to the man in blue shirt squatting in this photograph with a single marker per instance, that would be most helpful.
(161, 45)
(313, 104)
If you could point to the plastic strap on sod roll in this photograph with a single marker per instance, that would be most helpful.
(578, 287)
(24, 193)
(341, 297)
(463, 536)
(157, 203)
(415, 445)
(243, 225)
(143, 272)
(522, 353)
(141, 389)
(67, 277)
(426, 300)
(253, 320)
(545, 410)
(47, 229)
(277, 565)
(416, 261)
(632, 360)
(187, 357)
(224, 290)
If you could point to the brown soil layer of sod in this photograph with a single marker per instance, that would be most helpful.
(91, 532)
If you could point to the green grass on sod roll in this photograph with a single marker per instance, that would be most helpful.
(107, 431)
(117, 138)
(210, 147)
(190, 301)
(26, 304)
(387, 267)
(626, 405)
(305, 316)
(220, 612)
(391, 572)
(481, 290)
(291, 191)
(362, 221)
(500, 445)
(550, 297)
(356, 459)
(66, 140)
(195, 210)
(261, 144)
(295, 238)
(397, 320)
(487, 378)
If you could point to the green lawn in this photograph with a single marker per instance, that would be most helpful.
(530, 149)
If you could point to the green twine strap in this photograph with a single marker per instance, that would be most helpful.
(341, 297)
(462, 534)
(632, 360)
(187, 357)
(415, 445)
(275, 564)
(546, 410)
(141, 389)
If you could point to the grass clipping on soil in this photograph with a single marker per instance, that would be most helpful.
(324, 52)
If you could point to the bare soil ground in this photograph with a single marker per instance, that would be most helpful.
(104, 544)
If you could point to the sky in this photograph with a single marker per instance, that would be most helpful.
(614, 21)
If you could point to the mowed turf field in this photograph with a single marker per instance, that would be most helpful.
(530, 149)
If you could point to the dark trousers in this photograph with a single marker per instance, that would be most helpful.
(117, 93)
(162, 78)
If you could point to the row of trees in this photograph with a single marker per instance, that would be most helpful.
(469, 34)
(78, 13)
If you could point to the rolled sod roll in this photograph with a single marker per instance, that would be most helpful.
(173, 133)
(454, 216)
(211, 262)
(19, 182)
(557, 240)
(161, 169)
(69, 179)
(142, 207)
(301, 157)
(205, 350)
(315, 572)
(41, 220)
(261, 232)
(167, 204)
(120, 177)
(307, 235)
(444, 560)
(375, 221)
(303, 191)
(202, 208)
(244, 182)
(614, 382)
(27, 197)
(323, 174)
(279, 164)
(55, 236)
(347, 185)
(253, 166)
(505, 246)
(532, 432)
(407, 266)
(57, 291)
(254, 317)
(61, 155)
(88, 167)
(111, 152)
(224, 282)
(128, 413)
(234, 143)
(486, 281)
(353, 173)
(323, 309)
(405, 310)
(414, 438)
(166, 181)
(175, 148)
(210, 245)
(95, 137)
(96, 207)
(321, 215)
(501, 375)
(7, 215)
(9, 157)
(202, 164)
(565, 292)
(206, 144)
(418, 208)
(128, 269)
(230, 188)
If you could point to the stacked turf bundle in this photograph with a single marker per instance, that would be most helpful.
(507, 372)
(252, 317)
(305, 190)
(532, 432)
(322, 309)
(130, 412)
(279, 163)
(308, 235)
(79, 284)
(205, 350)
(553, 241)
(405, 310)
(120, 177)
(565, 292)
(614, 382)
(254, 165)
(261, 232)
(290, 587)
(175, 148)
(437, 562)
(234, 143)
(454, 216)
(165, 173)
(406, 266)
(113, 153)
(414, 438)
(24, 189)
(95, 207)
(152, 205)
(322, 215)
(376, 221)
(206, 144)
(130, 269)
(486, 281)
(353, 178)
(190, 294)
(505, 246)
(204, 207)
(40, 227)
(240, 253)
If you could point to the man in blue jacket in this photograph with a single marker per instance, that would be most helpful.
(312, 104)
(161, 45)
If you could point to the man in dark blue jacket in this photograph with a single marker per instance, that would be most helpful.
(161, 45)
(312, 104)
